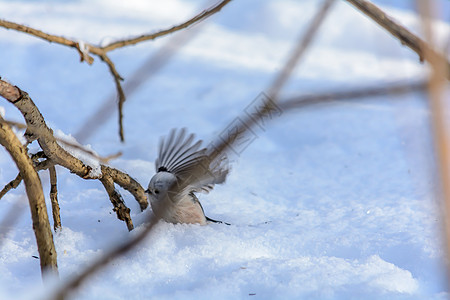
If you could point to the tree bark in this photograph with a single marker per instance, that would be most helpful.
(33, 187)
(38, 130)
(54, 198)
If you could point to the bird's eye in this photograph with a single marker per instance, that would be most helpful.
(156, 191)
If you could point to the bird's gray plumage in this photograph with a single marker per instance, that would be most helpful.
(183, 168)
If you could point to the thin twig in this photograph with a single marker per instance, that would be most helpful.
(85, 48)
(42, 35)
(149, 68)
(54, 199)
(13, 184)
(405, 36)
(196, 19)
(120, 93)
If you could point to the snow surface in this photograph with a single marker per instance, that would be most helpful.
(332, 202)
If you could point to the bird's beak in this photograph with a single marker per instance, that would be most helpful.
(147, 191)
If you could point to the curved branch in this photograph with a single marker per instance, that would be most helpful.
(117, 44)
(196, 19)
(128, 183)
(13, 184)
(405, 36)
(38, 129)
(120, 93)
(33, 187)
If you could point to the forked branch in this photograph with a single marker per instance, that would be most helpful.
(86, 49)
(38, 130)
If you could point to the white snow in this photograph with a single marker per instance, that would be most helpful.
(331, 202)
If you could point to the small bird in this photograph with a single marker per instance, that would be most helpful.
(182, 169)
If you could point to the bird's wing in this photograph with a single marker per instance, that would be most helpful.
(192, 166)
(177, 152)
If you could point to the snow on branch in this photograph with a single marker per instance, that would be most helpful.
(38, 130)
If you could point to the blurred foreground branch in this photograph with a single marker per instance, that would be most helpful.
(406, 37)
(221, 145)
(357, 94)
(439, 122)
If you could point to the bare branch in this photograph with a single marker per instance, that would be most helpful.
(13, 184)
(127, 183)
(120, 93)
(351, 94)
(54, 198)
(439, 121)
(85, 48)
(9, 92)
(149, 68)
(33, 187)
(38, 129)
(122, 211)
(40, 34)
(405, 36)
(196, 19)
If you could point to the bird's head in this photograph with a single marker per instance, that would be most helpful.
(158, 186)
